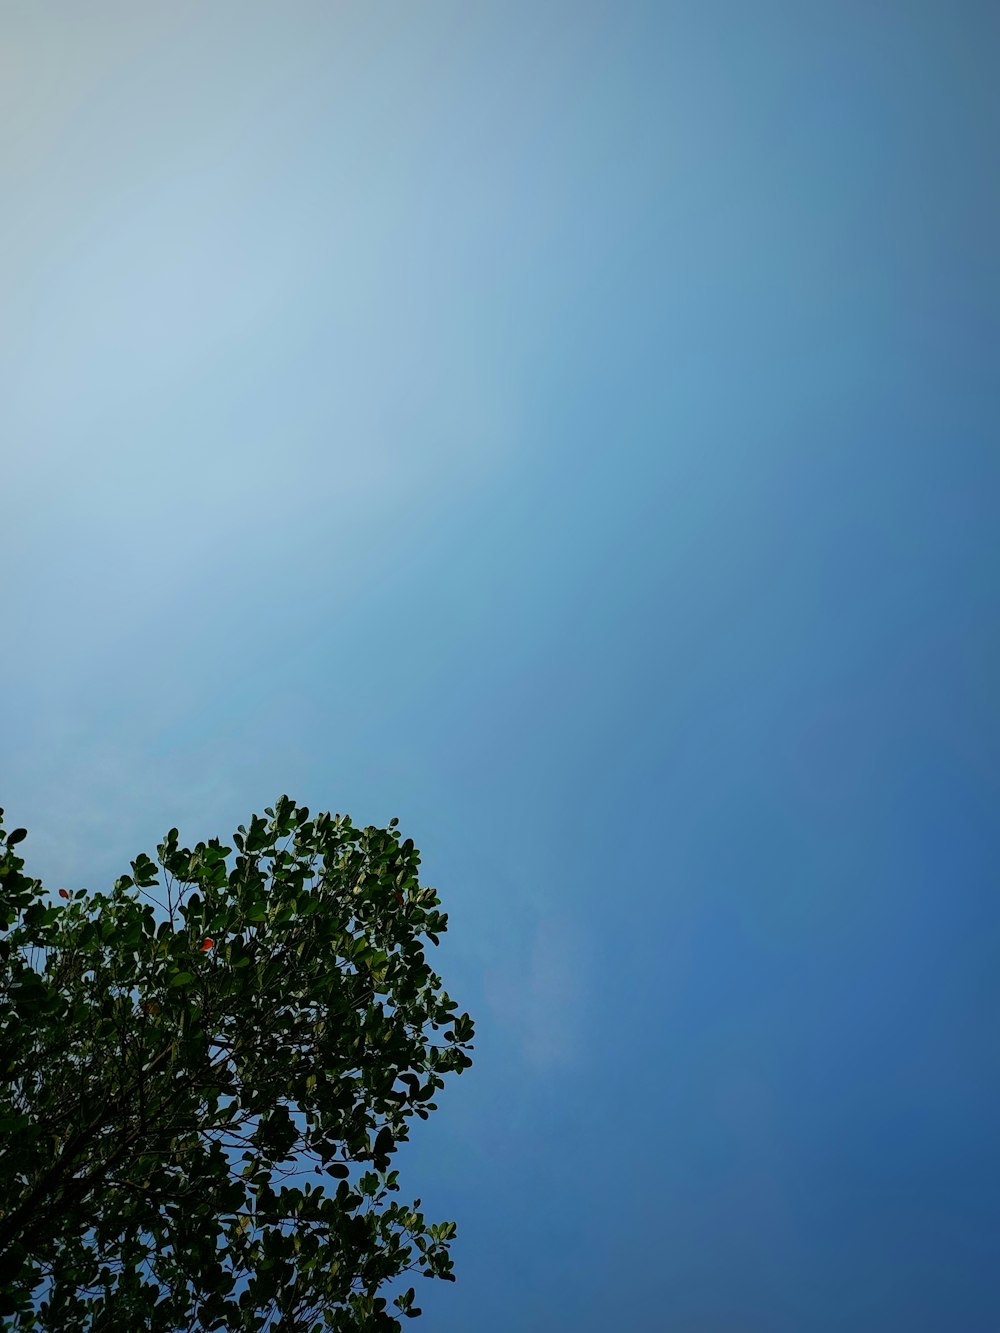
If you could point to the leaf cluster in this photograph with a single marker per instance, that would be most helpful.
(202, 1092)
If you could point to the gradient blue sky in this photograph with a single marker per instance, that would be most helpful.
(572, 428)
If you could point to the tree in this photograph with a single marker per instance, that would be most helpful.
(198, 1109)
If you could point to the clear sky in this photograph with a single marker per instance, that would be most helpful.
(572, 428)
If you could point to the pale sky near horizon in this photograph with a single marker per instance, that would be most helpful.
(573, 429)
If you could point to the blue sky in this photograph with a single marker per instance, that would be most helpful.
(574, 430)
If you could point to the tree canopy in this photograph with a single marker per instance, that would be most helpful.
(206, 1072)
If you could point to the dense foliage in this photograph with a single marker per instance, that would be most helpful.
(199, 1104)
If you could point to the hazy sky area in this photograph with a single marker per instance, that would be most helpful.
(573, 429)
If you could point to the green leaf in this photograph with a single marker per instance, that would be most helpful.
(182, 979)
(9, 1124)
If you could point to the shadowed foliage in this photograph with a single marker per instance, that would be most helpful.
(199, 1104)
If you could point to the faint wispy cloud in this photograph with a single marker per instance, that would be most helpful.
(542, 1000)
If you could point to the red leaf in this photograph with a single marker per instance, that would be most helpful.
(209, 944)
(63, 893)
